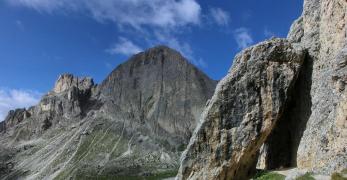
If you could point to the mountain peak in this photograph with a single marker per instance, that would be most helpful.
(159, 52)
(162, 48)
(140, 117)
(67, 81)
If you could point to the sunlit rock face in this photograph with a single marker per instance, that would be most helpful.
(68, 81)
(135, 123)
(162, 91)
(243, 111)
(323, 144)
(309, 131)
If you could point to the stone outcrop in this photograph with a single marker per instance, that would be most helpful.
(309, 131)
(13, 118)
(68, 81)
(69, 97)
(317, 139)
(243, 111)
(323, 144)
(161, 91)
(135, 123)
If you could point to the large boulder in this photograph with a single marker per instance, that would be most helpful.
(243, 111)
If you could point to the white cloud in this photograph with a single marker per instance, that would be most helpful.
(12, 98)
(153, 21)
(136, 13)
(243, 37)
(220, 16)
(125, 47)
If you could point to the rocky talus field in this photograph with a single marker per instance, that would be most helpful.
(282, 105)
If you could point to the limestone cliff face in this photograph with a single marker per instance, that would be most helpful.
(308, 131)
(66, 101)
(324, 35)
(13, 118)
(242, 112)
(68, 81)
(162, 91)
(315, 122)
(136, 123)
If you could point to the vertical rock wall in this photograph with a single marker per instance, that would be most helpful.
(243, 112)
(322, 31)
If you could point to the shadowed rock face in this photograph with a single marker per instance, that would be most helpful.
(243, 111)
(280, 149)
(162, 91)
(136, 123)
(310, 132)
(324, 34)
(317, 119)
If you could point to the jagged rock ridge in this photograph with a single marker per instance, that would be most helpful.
(135, 123)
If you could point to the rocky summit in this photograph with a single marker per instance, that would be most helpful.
(282, 104)
(135, 123)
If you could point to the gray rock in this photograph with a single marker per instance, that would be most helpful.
(323, 145)
(68, 81)
(162, 91)
(13, 118)
(135, 123)
(312, 131)
(242, 112)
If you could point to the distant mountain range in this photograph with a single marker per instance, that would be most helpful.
(135, 123)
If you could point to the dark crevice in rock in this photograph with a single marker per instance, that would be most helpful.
(280, 148)
(2, 126)
(46, 124)
(242, 113)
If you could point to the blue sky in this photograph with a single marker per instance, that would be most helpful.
(40, 39)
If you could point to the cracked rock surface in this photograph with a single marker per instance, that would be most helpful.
(135, 123)
(243, 111)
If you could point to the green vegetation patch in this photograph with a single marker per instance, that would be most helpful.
(158, 176)
(163, 175)
(182, 147)
(344, 171)
(337, 176)
(265, 175)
